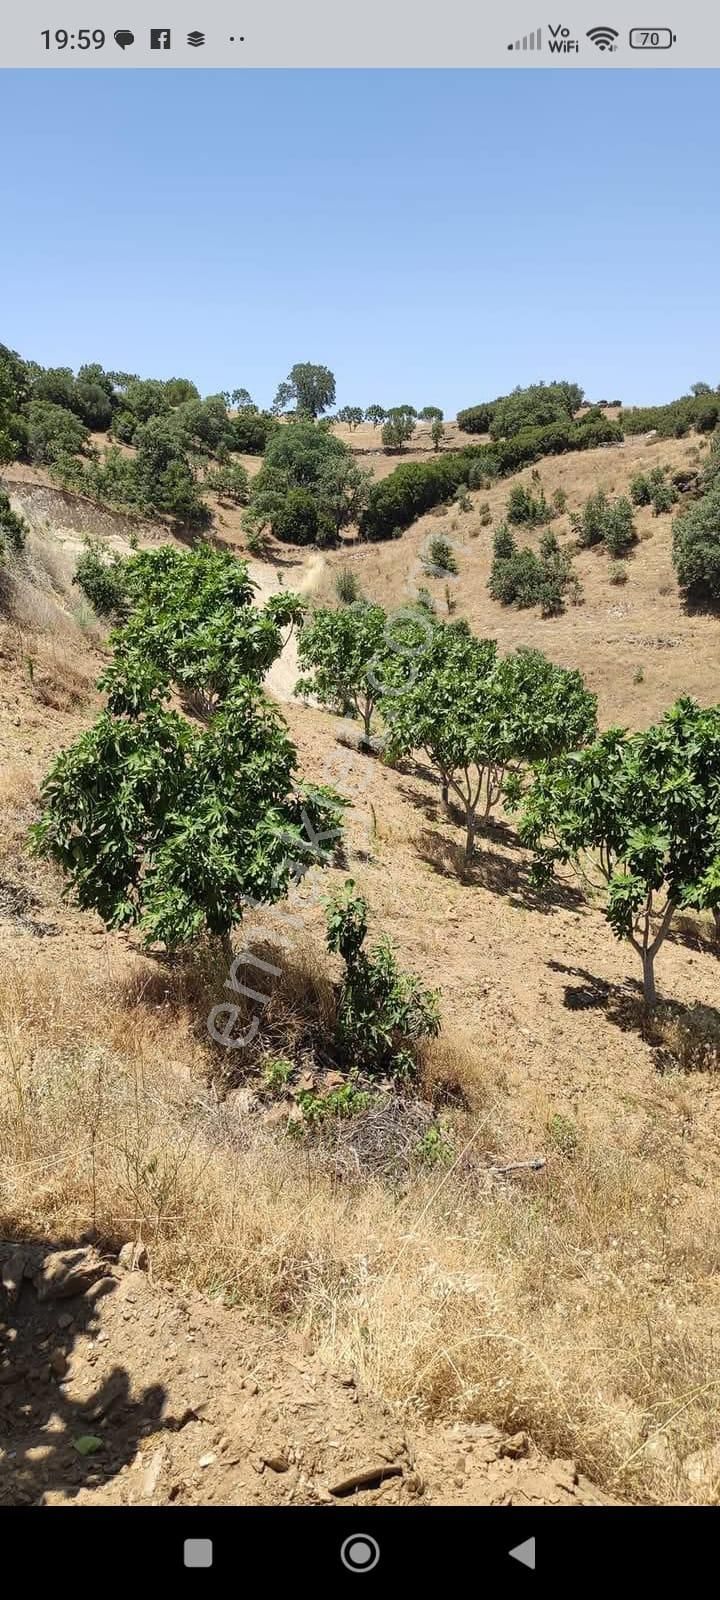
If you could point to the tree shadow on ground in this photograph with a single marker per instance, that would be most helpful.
(501, 874)
(41, 1424)
(621, 1002)
(432, 808)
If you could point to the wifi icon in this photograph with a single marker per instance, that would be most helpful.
(604, 38)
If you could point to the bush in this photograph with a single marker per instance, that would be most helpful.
(296, 521)
(602, 521)
(525, 508)
(522, 578)
(12, 527)
(696, 547)
(347, 587)
(397, 430)
(383, 1012)
(618, 573)
(252, 432)
(53, 432)
(438, 558)
(475, 419)
(103, 581)
(229, 482)
(415, 487)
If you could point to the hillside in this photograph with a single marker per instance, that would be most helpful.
(573, 1302)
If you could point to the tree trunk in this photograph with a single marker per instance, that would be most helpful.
(649, 990)
(471, 823)
(367, 713)
(445, 794)
(716, 914)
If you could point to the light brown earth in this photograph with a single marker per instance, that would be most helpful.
(578, 1303)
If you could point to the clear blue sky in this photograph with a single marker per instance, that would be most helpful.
(434, 237)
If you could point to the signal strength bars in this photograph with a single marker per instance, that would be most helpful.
(530, 41)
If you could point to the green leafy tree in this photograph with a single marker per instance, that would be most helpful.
(311, 387)
(375, 415)
(638, 815)
(103, 581)
(52, 431)
(352, 416)
(698, 389)
(165, 475)
(159, 824)
(478, 717)
(242, 400)
(438, 558)
(179, 390)
(339, 652)
(437, 432)
(383, 1012)
(431, 414)
(229, 482)
(400, 427)
(145, 398)
(696, 547)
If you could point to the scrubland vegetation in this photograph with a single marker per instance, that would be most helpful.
(329, 1139)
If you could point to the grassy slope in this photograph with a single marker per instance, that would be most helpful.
(580, 1303)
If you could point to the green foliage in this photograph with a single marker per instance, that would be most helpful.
(534, 407)
(431, 414)
(178, 390)
(375, 415)
(618, 573)
(159, 824)
(604, 521)
(439, 557)
(52, 432)
(477, 716)
(437, 432)
(672, 421)
(229, 482)
(475, 419)
(435, 1148)
(653, 488)
(13, 527)
(347, 587)
(102, 579)
(252, 431)
(341, 653)
(309, 486)
(400, 427)
(352, 416)
(276, 1072)
(696, 547)
(416, 487)
(145, 398)
(525, 508)
(639, 816)
(383, 1012)
(311, 387)
(345, 1101)
(523, 579)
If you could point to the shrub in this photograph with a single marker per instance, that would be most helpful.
(347, 586)
(229, 482)
(618, 573)
(383, 1012)
(696, 547)
(475, 419)
(340, 652)
(13, 527)
(439, 558)
(296, 520)
(252, 432)
(607, 522)
(53, 432)
(522, 578)
(525, 508)
(397, 430)
(103, 580)
(619, 530)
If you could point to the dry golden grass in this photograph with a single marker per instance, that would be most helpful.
(575, 1303)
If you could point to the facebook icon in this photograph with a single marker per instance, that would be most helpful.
(159, 38)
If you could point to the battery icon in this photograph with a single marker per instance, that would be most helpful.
(652, 38)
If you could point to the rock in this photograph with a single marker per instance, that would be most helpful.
(365, 1477)
(13, 1269)
(59, 1363)
(207, 1460)
(277, 1462)
(133, 1257)
(151, 1475)
(516, 1445)
(68, 1272)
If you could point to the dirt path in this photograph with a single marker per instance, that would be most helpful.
(178, 1400)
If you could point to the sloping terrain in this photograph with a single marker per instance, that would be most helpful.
(575, 1302)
